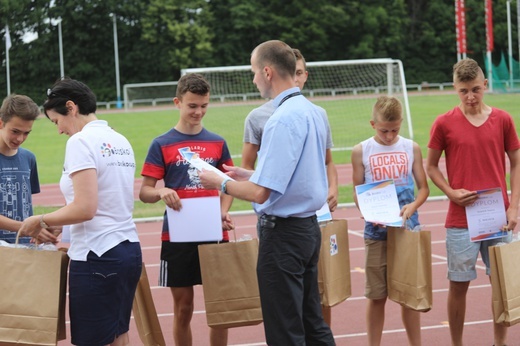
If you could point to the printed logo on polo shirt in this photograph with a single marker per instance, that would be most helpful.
(107, 150)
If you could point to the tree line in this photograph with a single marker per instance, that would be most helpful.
(158, 38)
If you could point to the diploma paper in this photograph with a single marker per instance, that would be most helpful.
(324, 213)
(200, 164)
(378, 203)
(487, 216)
(198, 220)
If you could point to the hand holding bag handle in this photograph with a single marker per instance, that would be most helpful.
(41, 277)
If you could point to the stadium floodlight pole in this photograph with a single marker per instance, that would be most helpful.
(116, 58)
(60, 42)
(8, 45)
(488, 15)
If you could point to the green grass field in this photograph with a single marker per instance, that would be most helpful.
(140, 127)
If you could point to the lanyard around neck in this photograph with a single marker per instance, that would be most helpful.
(296, 93)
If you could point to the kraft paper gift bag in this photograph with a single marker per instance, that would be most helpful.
(33, 287)
(145, 315)
(334, 263)
(230, 284)
(505, 282)
(409, 268)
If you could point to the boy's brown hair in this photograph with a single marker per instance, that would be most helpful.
(299, 56)
(387, 108)
(193, 83)
(20, 106)
(466, 70)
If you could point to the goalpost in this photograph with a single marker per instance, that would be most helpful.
(346, 89)
(148, 93)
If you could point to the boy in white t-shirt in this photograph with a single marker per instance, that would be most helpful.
(388, 156)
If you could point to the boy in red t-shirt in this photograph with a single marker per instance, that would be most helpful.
(475, 138)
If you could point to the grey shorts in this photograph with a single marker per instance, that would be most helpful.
(463, 253)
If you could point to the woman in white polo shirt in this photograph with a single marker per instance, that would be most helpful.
(97, 182)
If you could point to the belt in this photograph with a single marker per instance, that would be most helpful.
(270, 221)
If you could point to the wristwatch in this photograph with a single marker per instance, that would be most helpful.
(42, 223)
(223, 188)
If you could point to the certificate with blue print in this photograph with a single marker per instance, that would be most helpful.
(195, 160)
(487, 215)
(324, 213)
(378, 203)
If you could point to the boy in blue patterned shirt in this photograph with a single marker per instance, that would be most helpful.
(18, 171)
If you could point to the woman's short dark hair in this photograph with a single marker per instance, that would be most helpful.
(68, 89)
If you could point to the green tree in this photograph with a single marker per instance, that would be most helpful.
(29, 62)
(430, 50)
(88, 41)
(334, 30)
(377, 29)
(180, 29)
(238, 27)
(157, 38)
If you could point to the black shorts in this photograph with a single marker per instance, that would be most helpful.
(180, 265)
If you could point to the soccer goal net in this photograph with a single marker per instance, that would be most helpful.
(153, 94)
(346, 89)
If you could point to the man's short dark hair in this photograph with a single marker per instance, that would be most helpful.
(278, 55)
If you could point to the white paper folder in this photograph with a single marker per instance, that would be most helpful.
(198, 221)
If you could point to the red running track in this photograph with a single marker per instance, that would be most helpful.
(348, 321)
(348, 318)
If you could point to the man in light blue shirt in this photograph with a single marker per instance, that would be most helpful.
(293, 139)
(287, 188)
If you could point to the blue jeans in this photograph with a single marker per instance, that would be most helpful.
(462, 254)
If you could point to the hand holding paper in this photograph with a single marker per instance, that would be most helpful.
(170, 198)
(378, 203)
(210, 180)
(512, 218)
(238, 173)
(195, 160)
(210, 177)
(463, 197)
(487, 216)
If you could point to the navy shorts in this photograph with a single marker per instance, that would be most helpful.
(101, 294)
